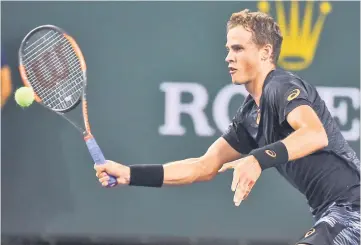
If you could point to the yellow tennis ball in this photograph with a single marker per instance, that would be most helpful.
(24, 96)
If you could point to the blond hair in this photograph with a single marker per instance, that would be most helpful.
(263, 27)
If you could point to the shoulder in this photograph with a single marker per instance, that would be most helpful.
(283, 83)
(281, 78)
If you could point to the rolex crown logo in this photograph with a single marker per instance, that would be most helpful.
(300, 34)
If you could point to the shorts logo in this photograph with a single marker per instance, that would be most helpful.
(271, 153)
(294, 93)
(310, 232)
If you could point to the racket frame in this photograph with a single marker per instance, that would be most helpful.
(86, 131)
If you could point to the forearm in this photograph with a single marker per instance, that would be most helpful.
(304, 141)
(300, 143)
(174, 173)
(186, 172)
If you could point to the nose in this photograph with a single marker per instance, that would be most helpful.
(229, 57)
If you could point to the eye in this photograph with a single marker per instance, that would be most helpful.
(237, 48)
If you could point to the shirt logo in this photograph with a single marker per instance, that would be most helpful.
(310, 232)
(271, 153)
(258, 119)
(294, 93)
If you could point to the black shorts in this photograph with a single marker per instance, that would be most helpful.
(338, 225)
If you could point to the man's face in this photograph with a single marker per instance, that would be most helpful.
(244, 57)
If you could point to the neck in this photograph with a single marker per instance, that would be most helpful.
(254, 87)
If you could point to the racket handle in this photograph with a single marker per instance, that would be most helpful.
(98, 157)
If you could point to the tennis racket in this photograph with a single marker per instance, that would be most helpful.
(52, 64)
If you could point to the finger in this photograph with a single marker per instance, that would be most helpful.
(105, 183)
(240, 191)
(246, 195)
(236, 175)
(237, 199)
(226, 166)
(250, 186)
(102, 174)
(99, 167)
(245, 189)
(103, 179)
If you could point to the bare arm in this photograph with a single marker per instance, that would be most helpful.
(174, 173)
(309, 135)
(203, 168)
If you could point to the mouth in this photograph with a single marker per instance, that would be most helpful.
(232, 70)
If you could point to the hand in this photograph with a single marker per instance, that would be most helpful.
(119, 171)
(246, 172)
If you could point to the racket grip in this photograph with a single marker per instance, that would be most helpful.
(98, 157)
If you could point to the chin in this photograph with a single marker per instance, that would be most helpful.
(239, 82)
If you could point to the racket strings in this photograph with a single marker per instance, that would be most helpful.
(35, 61)
(60, 68)
(54, 70)
(44, 37)
(49, 41)
(47, 74)
(68, 90)
(32, 74)
(76, 75)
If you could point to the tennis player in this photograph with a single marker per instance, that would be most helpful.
(282, 124)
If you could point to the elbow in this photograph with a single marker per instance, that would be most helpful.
(205, 170)
(321, 136)
(325, 141)
(209, 176)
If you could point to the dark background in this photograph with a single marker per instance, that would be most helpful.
(132, 49)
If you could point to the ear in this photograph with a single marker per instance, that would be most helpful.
(266, 52)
